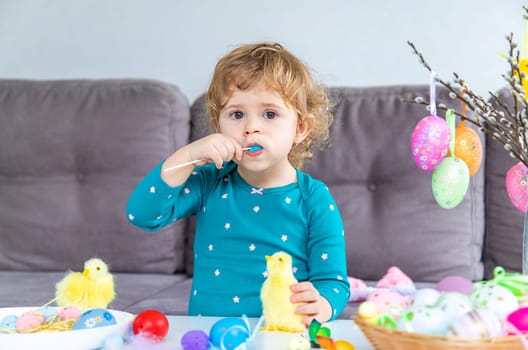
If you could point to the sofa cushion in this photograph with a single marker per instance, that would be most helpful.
(504, 223)
(371, 173)
(382, 194)
(25, 288)
(72, 151)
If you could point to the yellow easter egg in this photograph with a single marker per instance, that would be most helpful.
(523, 67)
(468, 147)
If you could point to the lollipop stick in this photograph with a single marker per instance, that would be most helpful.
(253, 148)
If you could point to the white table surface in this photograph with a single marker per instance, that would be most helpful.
(264, 340)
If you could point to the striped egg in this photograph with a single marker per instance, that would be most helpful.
(479, 323)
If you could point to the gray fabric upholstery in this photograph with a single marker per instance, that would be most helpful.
(391, 217)
(504, 223)
(71, 152)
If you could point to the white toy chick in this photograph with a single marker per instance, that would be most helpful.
(279, 311)
(93, 288)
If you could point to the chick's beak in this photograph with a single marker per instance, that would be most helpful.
(86, 272)
(267, 257)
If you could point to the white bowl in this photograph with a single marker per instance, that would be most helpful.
(84, 339)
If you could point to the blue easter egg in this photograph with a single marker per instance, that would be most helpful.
(48, 311)
(222, 326)
(94, 318)
(9, 322)
(233, 337)
(195, 340)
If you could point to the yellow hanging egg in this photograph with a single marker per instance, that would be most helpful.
(523, 67)
(468, 147)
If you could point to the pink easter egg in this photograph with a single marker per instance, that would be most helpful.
(69, 312)
(516, 182)
(430, 142)
(388, 301)
(455, 284)
(519, 318)
(29, 320)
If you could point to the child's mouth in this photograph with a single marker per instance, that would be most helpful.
(253, 148)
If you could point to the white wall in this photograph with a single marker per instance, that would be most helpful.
(355, 42)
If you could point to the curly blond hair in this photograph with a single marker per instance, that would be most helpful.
(281, 71)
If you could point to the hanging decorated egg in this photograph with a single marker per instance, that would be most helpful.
(479, 323)
(450, 182)
(516, 182)
(430, 142)
(523, 67)
(468, 147)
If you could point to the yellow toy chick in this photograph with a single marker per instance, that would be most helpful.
(279, 311)
(93, 288)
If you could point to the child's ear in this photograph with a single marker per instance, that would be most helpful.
(304, 128)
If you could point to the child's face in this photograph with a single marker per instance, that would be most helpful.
(260, 116)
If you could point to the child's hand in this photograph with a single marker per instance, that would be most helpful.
(312, 304)
(215, 148)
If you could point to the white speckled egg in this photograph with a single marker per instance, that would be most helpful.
(424, 320)
(454, 304)
(496, 298)
(425, 297)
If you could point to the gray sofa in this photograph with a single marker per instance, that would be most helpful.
(72, 151)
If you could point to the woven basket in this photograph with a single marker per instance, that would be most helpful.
(386, 339)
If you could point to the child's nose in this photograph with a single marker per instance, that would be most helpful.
(252, 125)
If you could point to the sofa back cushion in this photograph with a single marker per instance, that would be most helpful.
(504, 223)
(70, 154)
(391, 217)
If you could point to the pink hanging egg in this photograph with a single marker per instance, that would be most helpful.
(516, 182)
(430, 142)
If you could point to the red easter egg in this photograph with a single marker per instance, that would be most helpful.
(519, 318)
(151, 324)
(516, 185)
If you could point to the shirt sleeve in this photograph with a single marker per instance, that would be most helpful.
(326, 248)
(154, 204)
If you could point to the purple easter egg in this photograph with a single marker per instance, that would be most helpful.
(455, 284)
(430, 142)
(195, 340)
(516, 182)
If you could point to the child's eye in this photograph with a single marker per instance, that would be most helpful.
(270, 115)
(237, 115)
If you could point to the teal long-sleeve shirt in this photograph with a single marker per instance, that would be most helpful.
(237, 225)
